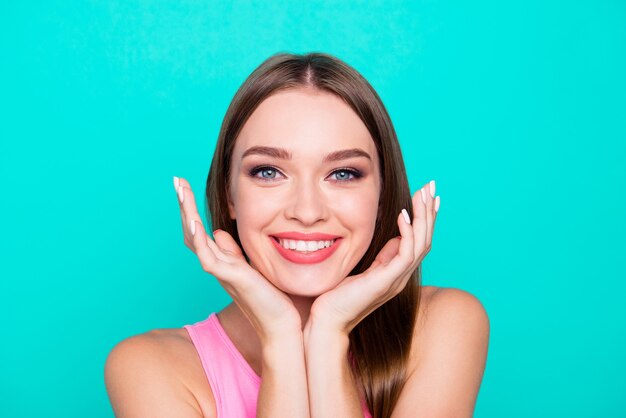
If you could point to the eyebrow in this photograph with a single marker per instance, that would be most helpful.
(283, 154)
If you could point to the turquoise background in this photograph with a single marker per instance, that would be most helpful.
(517, 110)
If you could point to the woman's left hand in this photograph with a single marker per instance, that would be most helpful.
(343, 307)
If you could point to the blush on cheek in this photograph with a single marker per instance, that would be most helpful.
(358, 213)
(260, 207)
(362, 221)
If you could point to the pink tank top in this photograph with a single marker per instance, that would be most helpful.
(234, 383)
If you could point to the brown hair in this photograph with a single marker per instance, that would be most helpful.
(380, 344)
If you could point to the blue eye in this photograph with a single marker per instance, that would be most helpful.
(271, 173)
(346, 173)
(343, 174)
(267, 173)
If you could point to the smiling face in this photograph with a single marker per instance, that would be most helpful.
(310, 192)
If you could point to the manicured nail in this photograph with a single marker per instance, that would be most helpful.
(437, 204)
(192, 227)
(423, 196)
(181, 195)
(432, 188)
(406, 216)
(176, 183)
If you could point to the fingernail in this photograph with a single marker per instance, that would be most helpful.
(181, 195)
(175, 182)
(432, 188)
(423, 196)
(437, 204)
(192, 227)
(406, 216)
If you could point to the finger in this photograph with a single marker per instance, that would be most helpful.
(189, 203)
(436, 211)
(419, 221)
(208, 259)
(181, 182)
(386, 254)
(388, 251)
(189, 210)
(401, 261)
(227, 243)
(406, 251)
(185, 215)
(180, 197)
(216, 249)
(430, 193)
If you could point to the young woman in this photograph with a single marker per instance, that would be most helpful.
(319, 243)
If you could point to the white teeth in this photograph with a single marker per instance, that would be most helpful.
(300, 245)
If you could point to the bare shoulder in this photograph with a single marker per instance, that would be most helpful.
(449, 355)
(157, 372)
(445, 311)
(447, 303)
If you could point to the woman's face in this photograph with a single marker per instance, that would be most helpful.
(282, 182)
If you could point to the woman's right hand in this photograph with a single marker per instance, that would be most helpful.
(269, 310)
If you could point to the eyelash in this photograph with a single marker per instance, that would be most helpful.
(254, 171)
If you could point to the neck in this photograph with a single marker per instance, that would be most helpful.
(243, 334)
(240, 329)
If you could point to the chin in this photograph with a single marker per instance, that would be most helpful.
(305, 287)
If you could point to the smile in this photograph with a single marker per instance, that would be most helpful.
(304, 246)
(305, 251)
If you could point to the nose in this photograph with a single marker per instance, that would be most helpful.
(308, 203)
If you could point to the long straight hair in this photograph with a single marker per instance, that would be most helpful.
(381, 343)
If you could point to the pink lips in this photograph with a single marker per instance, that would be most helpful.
(311, 236)
(306, 258)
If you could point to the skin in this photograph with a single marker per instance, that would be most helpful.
(274, 300)
(305, 194)
(268, 195)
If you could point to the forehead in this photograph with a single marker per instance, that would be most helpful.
(306, 122)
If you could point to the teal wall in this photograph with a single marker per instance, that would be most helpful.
(516, 109)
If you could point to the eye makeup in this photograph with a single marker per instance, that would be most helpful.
(253, 173)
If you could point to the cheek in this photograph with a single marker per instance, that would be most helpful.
(253, 204)
(358, 212)
(254, 212)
